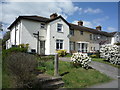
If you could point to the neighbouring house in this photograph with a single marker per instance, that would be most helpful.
(115, 38)
(46, 35)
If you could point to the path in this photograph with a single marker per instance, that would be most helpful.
(103, 68)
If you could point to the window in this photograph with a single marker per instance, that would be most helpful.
(81, 32)
(94, 37)
(59, 44)
(94, 48)
(90, 36)
(72, 45)
(42, 25)
(91, 49)
(72, 32)
(59, 27)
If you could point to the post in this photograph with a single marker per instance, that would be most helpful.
(56, 65)
(38, 42)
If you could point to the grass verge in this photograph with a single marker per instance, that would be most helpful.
(77, 77)
(101, 60)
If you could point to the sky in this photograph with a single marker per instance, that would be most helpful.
(92, 14)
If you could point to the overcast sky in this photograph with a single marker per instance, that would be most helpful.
(92, 14)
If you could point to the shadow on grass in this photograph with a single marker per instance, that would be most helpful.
(64, 73)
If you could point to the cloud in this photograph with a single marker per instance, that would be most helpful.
(11, 10)
(99, 20)
(111, 29)
(94, 11)
(85, 23)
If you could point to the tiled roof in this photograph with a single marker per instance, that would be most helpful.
(72, 26)
(83, 28)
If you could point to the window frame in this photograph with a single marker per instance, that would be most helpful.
(59, 41)
(81, 32)
(42, 25)
(59, 27)
(72, 30)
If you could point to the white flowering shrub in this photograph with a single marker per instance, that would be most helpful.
(81, 58)
(111, 53)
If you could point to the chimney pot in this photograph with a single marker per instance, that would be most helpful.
(54, 15)
(98, 27)
(80, 23)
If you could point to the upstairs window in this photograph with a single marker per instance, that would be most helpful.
(42, 25)
(59, 27)
(81, 32)
(59, 44)
(72, 32)
(90, 36)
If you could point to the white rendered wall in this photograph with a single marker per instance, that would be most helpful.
(54, 35)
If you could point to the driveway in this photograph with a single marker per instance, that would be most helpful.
(103, 68)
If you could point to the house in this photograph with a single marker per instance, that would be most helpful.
(115, 38)
(53, 33)
(84, 39)
(46, 35)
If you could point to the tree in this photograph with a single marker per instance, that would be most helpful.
(5, 38)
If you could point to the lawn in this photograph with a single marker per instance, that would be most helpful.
(77, 77)
(103, 61)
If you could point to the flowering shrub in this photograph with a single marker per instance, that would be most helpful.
(82, 59)
(110, 53)
(61, 52)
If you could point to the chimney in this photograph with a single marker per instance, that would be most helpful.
(80, 23)
(54, 15)
(98, 28)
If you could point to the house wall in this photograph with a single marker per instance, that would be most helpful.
(53, 35)
(115, 38)
(86, 38)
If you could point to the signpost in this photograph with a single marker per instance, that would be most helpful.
(56, 65)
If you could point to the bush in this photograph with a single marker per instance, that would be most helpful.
(111, 53)
(5, 53)
(61, 52)
(81, 59)
(93, 56)
(21, 66)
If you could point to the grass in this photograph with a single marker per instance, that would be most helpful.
(101, 60)
(68, 55)
(77, 77)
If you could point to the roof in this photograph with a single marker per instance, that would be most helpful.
(91, 30)
(37, 18)
(72, 26)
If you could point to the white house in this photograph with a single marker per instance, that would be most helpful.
(46, 35)
(53, 33)
(115, 38)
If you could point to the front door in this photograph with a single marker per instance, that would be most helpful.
(42, 47)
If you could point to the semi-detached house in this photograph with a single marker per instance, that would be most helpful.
(46, 35)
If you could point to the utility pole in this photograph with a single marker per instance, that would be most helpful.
(37, 36)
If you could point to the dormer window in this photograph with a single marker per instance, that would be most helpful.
(42, 25)
(59, 27)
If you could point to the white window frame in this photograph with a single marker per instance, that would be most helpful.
(60, 27)
(59, 41)
(42, 25)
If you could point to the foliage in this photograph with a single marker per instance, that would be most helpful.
(81, 59)
(5, 38)
(21, 66)
(93, 56)
(111, 53)
(5, 53)
(61, 52)
(117, 44)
